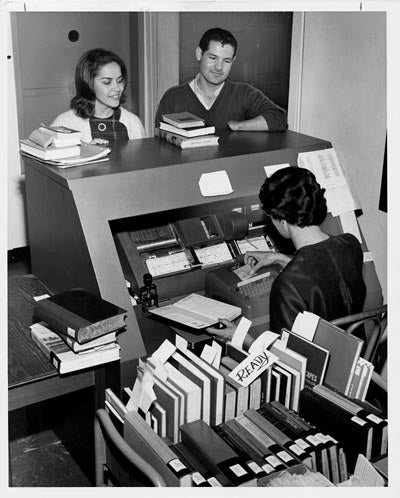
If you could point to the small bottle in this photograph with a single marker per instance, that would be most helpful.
(148, 293)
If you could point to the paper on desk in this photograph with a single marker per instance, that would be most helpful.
(329, 174)
(270, 170)
(216, 183)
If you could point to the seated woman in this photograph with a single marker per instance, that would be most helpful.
(324, 276)
(100, 83)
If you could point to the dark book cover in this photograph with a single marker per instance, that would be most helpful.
(317, 358)
(344, 351)
(80, 315)
(354, 433)
(218, 456)
(201, 477)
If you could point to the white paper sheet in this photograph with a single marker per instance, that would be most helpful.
(216, 183)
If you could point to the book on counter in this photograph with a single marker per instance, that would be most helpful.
(98, 343)
(80, 315)
(190, 132)
(197, 312)
(63, 358)
(187, 143)
(59, 136)
(50, 152)
(183, 119)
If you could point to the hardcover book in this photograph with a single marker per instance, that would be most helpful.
(317, 357)
(101, 342)
(216, 454)
(187, 143)
(48, 152)
(188, 133)
(183, 119)
(44, 136)
(80, 315)
(63, 358)
(344, 350)
(155, 450)
(197, 312)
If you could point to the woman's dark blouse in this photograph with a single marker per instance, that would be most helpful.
(324, 278)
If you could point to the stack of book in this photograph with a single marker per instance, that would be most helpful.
(61, 146)
(186, 130)
(49, 143)
(77, 329)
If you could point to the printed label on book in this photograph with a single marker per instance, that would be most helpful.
(214, 482)
(374, 418)
(177, 465)
(273, 460)
(256, 469)
(296, 449)
(314, 441)
(252, 367)
(238, 470)
(303, 444)
(198, 479)
(358, 420)
(267, 468)
(284, 456)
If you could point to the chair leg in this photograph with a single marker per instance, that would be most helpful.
(99, 453)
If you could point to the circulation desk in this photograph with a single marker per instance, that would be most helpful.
(70, 210)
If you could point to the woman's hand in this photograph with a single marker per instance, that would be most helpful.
(100, 141)
(258, 259)
(225, 333)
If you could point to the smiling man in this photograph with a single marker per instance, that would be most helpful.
(221, 102)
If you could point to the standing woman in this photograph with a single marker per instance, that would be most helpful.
(100, 83)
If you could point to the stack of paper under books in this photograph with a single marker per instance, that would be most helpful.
(77, 329)
(61, 146)
(186, 130)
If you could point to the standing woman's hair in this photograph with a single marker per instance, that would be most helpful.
(87, 68)
(293, 194)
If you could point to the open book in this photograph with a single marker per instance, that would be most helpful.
(197, 311)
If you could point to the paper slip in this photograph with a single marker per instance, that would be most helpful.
(265, 340)
(216, 183)
(240, 332)
(270, 170)
(218, 353)
(252, 367)
(39, 298)
(305, 325)
(163, 352)
(208, 354)
(181, 343)
(349, 224)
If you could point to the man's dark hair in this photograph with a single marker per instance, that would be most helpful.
(293, 194)
(87, 68)
(219, 35)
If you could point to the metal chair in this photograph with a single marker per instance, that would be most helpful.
(375, 319)
(108, 442)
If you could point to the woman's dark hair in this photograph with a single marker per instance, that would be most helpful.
(219, 35)
(293, 194)
(87, 68)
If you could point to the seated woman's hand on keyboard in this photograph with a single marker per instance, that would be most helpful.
(259, 259)
(224, 334)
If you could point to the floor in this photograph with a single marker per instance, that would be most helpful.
(51, 443)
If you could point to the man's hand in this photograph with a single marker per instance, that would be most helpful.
(255, 124)
(225, 334)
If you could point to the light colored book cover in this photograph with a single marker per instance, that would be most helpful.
(197, 311)
(63, 358)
